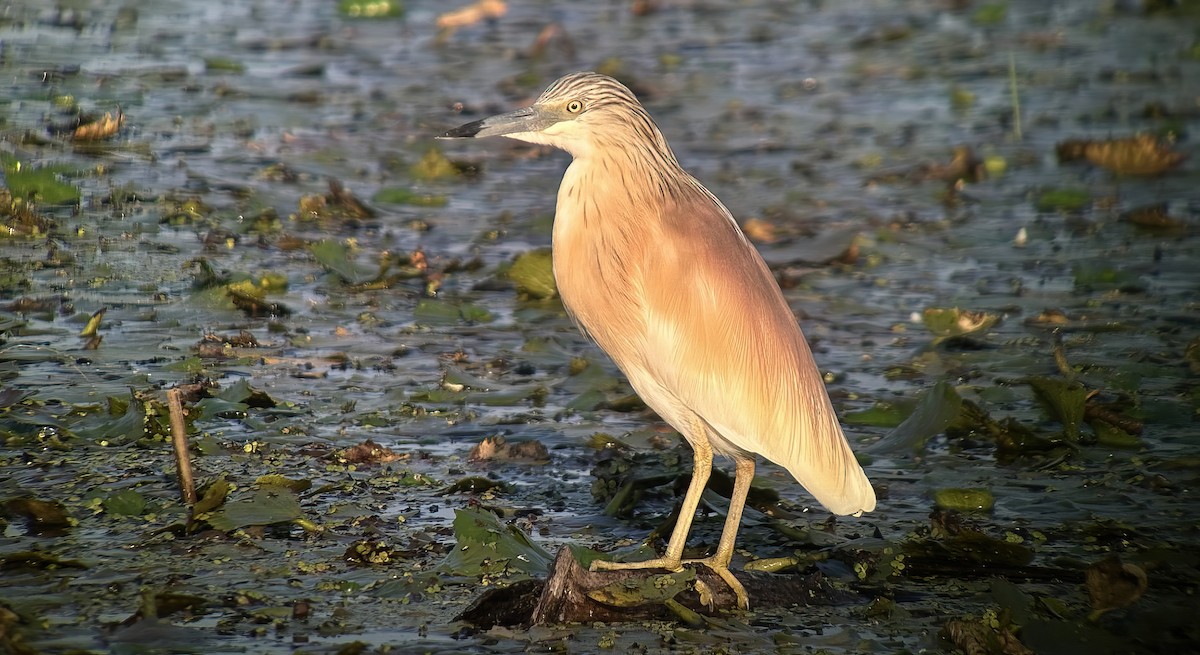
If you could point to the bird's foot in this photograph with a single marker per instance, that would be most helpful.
(721, 568)
(657, 563)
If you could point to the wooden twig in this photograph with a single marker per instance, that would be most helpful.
(183, 461)
(1060, 356)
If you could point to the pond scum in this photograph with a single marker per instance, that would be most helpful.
(984, 215)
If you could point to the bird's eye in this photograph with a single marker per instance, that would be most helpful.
(574, 106)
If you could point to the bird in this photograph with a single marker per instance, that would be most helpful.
(656, 271)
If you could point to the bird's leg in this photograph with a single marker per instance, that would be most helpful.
(719, 561)
(701, 468)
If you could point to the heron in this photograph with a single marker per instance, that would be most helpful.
(652, 267)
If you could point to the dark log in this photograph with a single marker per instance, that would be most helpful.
(563, 597)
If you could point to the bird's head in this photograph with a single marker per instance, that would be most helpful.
(578, 113)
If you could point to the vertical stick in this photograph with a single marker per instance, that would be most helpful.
(1016, 96)
(183, 461)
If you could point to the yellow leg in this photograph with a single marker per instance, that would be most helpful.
(719, 561)
(701, 468)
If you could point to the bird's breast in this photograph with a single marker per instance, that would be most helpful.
(600, 244)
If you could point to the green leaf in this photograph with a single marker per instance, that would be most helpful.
(214, 496)
(223, 65)
(442, 313)
(39, 183)
(398, 196)
(1063, 200)
(1101, 276)
(992, 13)
(487, 547)
(128, 426)
(533, 273)
(886, 414)
(276, 480)
(955, 322)
(1112, 436)
(269, 505)
(474, 313)
(126, 502)
(633, 592)
(937, 410)
(212, 408)
(1063, 400)
(371, 8)
(434, 165)
(964, 500)
(242, 392)
(339, 258)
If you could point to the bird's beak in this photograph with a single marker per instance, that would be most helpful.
(528, 119)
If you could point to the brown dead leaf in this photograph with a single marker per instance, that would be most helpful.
(101, 128)
(369, 452)
(964, 166)
(498, 448)
(471, 14)
(552, 35)
(760, 231)
(1113, 585)
(1154, 218)
(1143, 154)
(976, 638)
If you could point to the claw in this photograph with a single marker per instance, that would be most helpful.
(722, 571)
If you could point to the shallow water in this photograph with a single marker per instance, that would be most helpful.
(817, 117)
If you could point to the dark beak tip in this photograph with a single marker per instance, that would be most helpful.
(463, 131)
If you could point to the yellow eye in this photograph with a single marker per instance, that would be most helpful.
(574, 106)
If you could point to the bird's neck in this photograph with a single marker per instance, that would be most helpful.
(622, 178)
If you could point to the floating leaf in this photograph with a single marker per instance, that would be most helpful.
(1064, 401)
(223, 65)
(276, 480)
(992, 13)
(214, 496)
(27, 559)
(439, 312)
(1062, 200)
(472, 313)
(533, 273)
(338, 258)
(213, 408)
(101, 128)
(40, 515)
(938, 409)
(93, 324)
(1112, 436)
(884, 414)
(398, 196)
(39, 183)
(268, 506)
(1143, 154)
(242, 392)
(126, 502)
(474, 485)
(471, 14)
(1112, 585)
(371, 8)
(19, 218)
(955, 322)
(486, 547)
(128, 425)
(1154, 218)
(964, 500)
(637, 591)
(1093, 276)
(434, 165)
